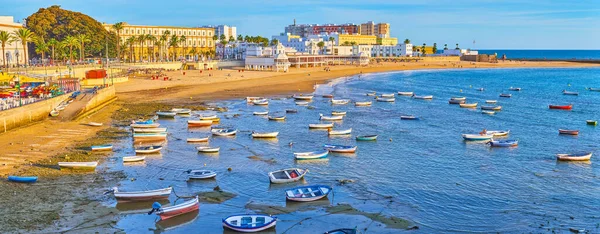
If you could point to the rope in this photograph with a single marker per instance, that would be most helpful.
(182, 196)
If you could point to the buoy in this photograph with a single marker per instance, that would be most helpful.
(229, 169)
(205, 164)
(461, 90)
(390, 139)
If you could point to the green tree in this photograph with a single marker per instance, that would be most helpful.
(82, 39)
(222, 37)
(321, 45)
(173, 42)
(406, 41)
(458, 48)
(41, 47)
(274, 42)
(69, 42)
(118, 27)
(423, 49)
(353, 43)
(164, 40)
(52, 43)
(240, 37)
(140, 40)
(332, 40)
(151, 42)
(24, 36)
(247, 38)
(231, 39)
(224, 44)
(434, 48)
(5, 38)
(183, 42)
(130, 42)
(215, 37)
(445, 46)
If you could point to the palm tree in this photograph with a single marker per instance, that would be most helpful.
(52, 43)
(332, 40)
(25, 36)
(151, 42)
(224, 43)
(215, 37)
(247, 38)
(5, 38)
(130, 41)
(70, 41)
(41, 47)
(173, 42)
(82, 39)
(163, 41)
(321, 45)
(274, 42)
(240, 37)
(458, 48)
(141, 39)
(183, 40)
(423, 49)
(231, 39)
(118, 27)
(406, 41)
(434, 48)
(445, 46)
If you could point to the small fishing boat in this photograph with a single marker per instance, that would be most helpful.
(54, 113)
(307, 193)
(133, 158)
(405, 93)
(265, 134)
(223, 132)
(498, 133)
(94, 124)
(195, 140)
(291, 111)
(59, 108)
(386, 99)
(250, 99)
(311, 155)
(594, 89)
(301, 103)
(260, 113)
(452, 101)
(504, 143)
(427, 97)
(584, 156)
(373, 93)
(148, 195)
(287, 175)
(480, 89)
(591, 122)
(366, 137)
(78, 165)
(477, 137)
(327, 96)
(148, 149)
(561, 107)
(172, 211)
(494, 108)
(208, 117)
(340, 148)
(249, 222)
(343, 231)
(150, 136)
(181, 111)
(199, 123)
(339, 101)
(302, 97)
(101, 147)
(22, 179)
(459, 98)
(165, 114)
(261, 102)
(409, 117)
(468, 105)
(150, 121)
(152, 125)
(363, 103)
(514, 89)
(201, 174)
(568, 132)
(565, 92)
(338, 113)
(486, 112)
(505, 95)
(491, 101)
(324, 125)
(277, 118)
(331, 118)
(387, 95)
(208, 149)
(340, 132)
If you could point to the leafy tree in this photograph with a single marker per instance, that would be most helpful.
(118, 27)
(41, 47)
(231, 39)
(247, 38)
(406, 41)
(458, 48)
(52, 43)
(82, 39)
(24, 36)
(130, 42)
(183, 40)
(215, 38)
(174, 42)
(69, 42)
(5, 38)
(434, 48)
(423, 49)
(240, 37)
(353, 43)
(274, 42)
(445, 46)
(151, 42)
(222, 37)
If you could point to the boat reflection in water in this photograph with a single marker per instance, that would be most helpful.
(137, 207)
(176, 222)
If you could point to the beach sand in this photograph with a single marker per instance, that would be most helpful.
(53, 139)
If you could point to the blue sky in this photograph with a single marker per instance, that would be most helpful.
(501, 24)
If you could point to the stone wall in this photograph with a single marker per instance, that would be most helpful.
(103, 95)
(24, 115)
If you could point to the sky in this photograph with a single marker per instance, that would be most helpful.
(476, 24)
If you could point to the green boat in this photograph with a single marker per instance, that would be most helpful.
(592, 122)
(366, 138)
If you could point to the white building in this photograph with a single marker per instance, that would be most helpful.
(12, 49)
(302, 45)
(228, 31)
(400, 50)
(271, 58)
(459, 52)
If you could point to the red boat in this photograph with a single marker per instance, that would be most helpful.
(568, 132)
(327, 95)
(172, 211)
(566, 107)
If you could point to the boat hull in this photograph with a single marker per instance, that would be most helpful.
(23, 179)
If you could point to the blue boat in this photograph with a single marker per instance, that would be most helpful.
(366, 137)
(250, 222)
(22, 179)
(340, 148)
(308, 193)
(150, 121)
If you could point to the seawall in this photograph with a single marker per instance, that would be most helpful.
(24, 115)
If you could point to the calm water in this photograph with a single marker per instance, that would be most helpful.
(433, 178)
(546, 54)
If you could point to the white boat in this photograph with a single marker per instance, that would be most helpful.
(459, 98)
(302, 97)
(149, 136)
(207, 117)
(491, 101)
(494, 108)
(307, 193)
(338, 113)
(340, 132)
(514, 89)
(54, 113)
(363, 103)
(148, 195)
(405, 93)
(574, 157)
(223, 132)
(152, 125)
(78, 165)
(260, 113)
(480, 89)
(59, 108)
(339, 101)
(486, 112)
(261, 102)
(324, 125)
(468, 105)
(372, 93)
(311, 155)
(249, 222)
(265, 134)
(94, 124)
(200, 123)
(565, 92)
(250, 99)
(208, 149)
(181, 111)
(452, 101)
(201, 174)
(387, 95)
(195, 140)
(148, 149)
(149, 130)
(287, 175)
(331, 118)
(277, 118)
(133, 158)
(101, 147)
(498, 133)
(301, 103)
(428, 97)
(386, 99)
(477, 137)
(165, 114)
(175, 210)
